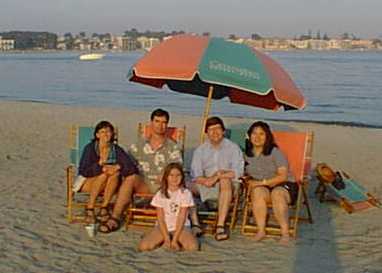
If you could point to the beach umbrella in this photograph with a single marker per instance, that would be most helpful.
(216, 68)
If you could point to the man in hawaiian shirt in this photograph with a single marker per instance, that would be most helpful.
(152, 155)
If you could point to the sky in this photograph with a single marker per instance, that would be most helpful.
(269, 18)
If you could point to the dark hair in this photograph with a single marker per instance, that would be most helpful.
(101, 125)
(269, 139)
(160, 113)
(213, 121)
(166, 173)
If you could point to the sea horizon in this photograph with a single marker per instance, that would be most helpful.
(341, 88)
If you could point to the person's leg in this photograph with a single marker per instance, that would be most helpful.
(110, 188)
(260, 196)
(124, 195)
(280, 200)
(93, 186)
(196, 228)
(129, 185)
(188, 240)
(225, 198)
(151, 240)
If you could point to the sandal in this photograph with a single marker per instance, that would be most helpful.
(103, 214)
(107, 228)
(196, 230)
(221, 233)
(90, 216)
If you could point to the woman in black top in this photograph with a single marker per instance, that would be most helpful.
(102, 165)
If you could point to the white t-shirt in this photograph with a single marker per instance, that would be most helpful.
(182, 198)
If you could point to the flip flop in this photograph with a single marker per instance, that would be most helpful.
(222, 234)
(90, 216)
(103, 215)
(106, 228)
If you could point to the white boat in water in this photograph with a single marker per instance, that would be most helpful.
(91, 56)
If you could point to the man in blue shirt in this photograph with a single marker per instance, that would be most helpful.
(216, 165)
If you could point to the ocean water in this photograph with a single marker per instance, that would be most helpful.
(341, 87)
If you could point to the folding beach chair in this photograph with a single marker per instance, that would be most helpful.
(342, 188)
(140, 213)
(297, 147)
(79, 137)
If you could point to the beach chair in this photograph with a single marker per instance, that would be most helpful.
(140, 213)
(79, 137)
(340, 187)
(297, 147)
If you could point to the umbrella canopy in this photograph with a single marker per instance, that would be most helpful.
(217, 68)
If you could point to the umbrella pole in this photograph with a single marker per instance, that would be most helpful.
(206, 112)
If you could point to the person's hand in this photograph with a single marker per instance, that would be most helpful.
(111, 169)
(210, 182)
(175, 245)
(167, 243)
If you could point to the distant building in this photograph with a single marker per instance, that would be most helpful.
(6, 44)
(61, 43)
(128, 43)
(362, 44)
(147, 43)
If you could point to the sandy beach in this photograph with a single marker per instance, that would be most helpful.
(36, 237)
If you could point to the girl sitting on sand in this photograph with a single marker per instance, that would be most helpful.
(102, 164)
(173, 202)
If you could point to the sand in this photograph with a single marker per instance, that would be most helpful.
(36, 237)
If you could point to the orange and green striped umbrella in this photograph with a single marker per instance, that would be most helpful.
(217, 68)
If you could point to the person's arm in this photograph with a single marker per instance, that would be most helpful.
(163, 227)
(89, 165)
(208, 181)
(280, 177)
(180, 220)
(126, 164)
(238, 163)
(197, 172)
(281, 173)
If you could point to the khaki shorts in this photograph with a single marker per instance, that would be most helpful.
(212, 193)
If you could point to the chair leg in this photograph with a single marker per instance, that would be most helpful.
(245, 214)
(306, 202)
(69, 193)
(235, 208)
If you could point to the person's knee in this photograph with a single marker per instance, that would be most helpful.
(129, 181)
(279, 196)
(114, 175)
(225, 185)
(259, 194)
(144, 246)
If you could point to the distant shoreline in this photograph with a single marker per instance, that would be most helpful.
(44, 51)
(322, 122)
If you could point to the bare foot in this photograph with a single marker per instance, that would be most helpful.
(259, 236)
(285, 240)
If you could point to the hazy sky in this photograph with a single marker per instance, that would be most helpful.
(286, 18)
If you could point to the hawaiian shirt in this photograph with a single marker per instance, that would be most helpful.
(152, 162)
